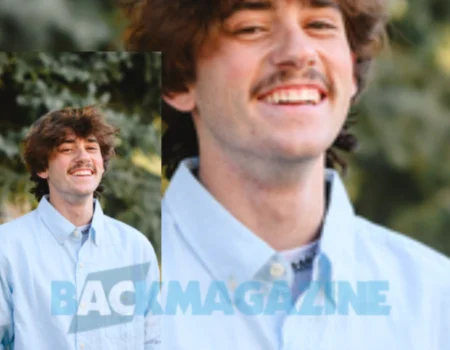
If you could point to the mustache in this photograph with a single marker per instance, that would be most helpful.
(82, 164)
(285, 76)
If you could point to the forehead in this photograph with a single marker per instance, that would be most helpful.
(70, 136)
(236, 5)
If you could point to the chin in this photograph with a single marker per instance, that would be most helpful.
(301, 151)
(84, 192)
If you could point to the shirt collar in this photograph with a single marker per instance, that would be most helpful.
(61, 228)
(226, 247)
(336, 245)
(230, 250)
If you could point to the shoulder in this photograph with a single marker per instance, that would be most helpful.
(418, 276)
(121, 228)
(16, 229)
(401, 251)
(127, 236)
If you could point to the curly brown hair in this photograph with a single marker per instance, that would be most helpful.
(179, 28)
(49, 131)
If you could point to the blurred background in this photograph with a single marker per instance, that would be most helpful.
(399, 177)
(125, 87)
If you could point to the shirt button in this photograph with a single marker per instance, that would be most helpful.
(277, 270)
(82, 306)
(81, 345)
(81, 265)
(232, 284)
(76, 233)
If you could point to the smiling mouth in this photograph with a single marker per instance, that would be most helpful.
(294, 96)
(82, 172)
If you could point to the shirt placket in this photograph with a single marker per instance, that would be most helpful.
(277, 278)
(83, 266)
(307, 330)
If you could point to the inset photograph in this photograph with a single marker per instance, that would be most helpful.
(80, 182)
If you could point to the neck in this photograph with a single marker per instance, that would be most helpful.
(283, 204)
(79, 213)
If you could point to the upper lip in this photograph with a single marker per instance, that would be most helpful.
(294, 85)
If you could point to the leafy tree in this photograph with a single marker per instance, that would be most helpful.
(59, 25)
(401, 174)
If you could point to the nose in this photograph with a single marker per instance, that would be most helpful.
(82, 153)
(294, 48)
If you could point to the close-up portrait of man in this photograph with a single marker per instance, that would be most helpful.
(257, 101)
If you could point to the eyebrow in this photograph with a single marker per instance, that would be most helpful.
(92, 139)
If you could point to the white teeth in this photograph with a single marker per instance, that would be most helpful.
(82, 173)
(292, 95)
(303, 95)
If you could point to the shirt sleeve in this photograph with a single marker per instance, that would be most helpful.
(152, 317)
(6, 310)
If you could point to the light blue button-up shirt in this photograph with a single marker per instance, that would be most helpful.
(372, 288)
(57, 293)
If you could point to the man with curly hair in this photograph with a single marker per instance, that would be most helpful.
(68, 272)
(258, 229)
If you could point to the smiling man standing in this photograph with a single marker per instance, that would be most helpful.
(70, 276)
(259, 92)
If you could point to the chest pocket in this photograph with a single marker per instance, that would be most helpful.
(130, 333)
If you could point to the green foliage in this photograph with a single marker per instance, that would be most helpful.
(58, 25)
(401, 173)
(126, 86)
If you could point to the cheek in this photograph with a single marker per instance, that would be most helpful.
(229, 66)
(344, 64)
(236, 69)
(244, 66)
(58, 167)
(100, 165)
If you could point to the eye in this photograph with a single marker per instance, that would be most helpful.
(251, 31)
(321, 25)
(65, 150)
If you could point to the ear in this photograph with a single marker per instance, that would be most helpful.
(43, 174)
(182, 101)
